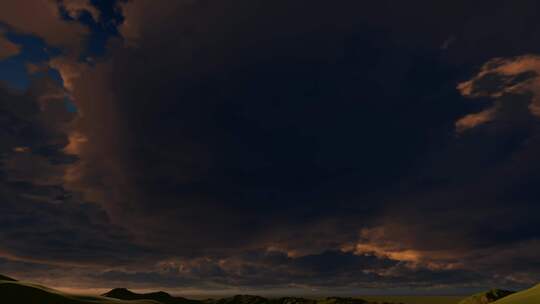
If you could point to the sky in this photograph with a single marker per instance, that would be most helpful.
(270, 146)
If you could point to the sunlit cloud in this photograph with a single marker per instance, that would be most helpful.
(498, 78)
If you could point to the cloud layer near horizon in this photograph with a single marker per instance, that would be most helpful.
(214, 148)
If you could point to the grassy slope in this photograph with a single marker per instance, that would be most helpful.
(485, 297)
(415, 299)
(18, 293)
(529, 296)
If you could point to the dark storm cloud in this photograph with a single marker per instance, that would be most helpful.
(475, 200)
(33, 124)
(40, 220)
(53, 230)
(278, 143)
(289, 135)
(269, 129)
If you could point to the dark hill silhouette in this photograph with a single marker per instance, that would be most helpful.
(294, 300)
(4, 278)
(15, 292)
(242, 299)
(340, 300)
(160, 296)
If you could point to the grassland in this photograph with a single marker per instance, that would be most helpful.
(529, 296)
(414, 299)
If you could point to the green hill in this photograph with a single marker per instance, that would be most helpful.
(486, 297)
(528, 296)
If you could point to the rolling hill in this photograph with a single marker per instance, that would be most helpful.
(14, 292)
(486, 297)
(528, 296)
(4, 278)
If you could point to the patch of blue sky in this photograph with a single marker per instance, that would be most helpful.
(14, 72)
(34, 50)
(70, 105)
(100, 30)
